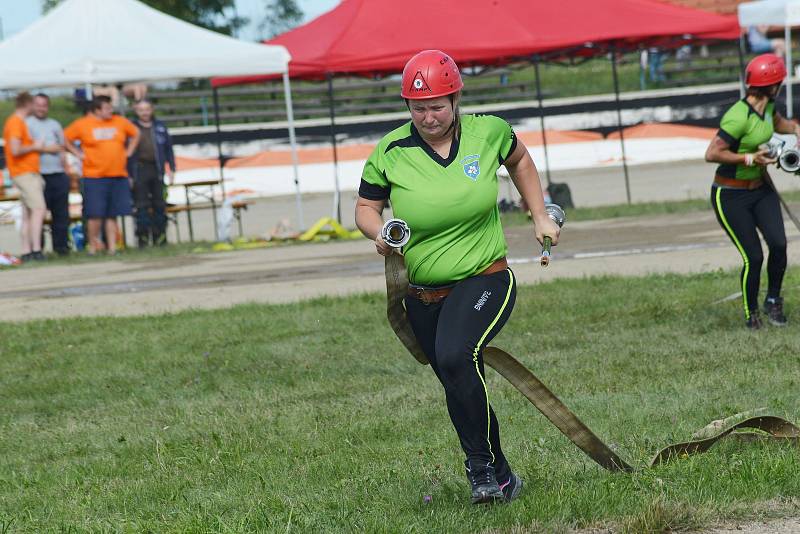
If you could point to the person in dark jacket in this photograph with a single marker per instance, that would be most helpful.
(153, 158)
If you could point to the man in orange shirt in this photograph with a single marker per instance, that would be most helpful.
(107, 141)
(22, 160)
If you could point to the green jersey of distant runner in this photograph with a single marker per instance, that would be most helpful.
(744, 129)
(450, 203)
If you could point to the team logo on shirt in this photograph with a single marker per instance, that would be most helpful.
(472, 166)
(104, 134)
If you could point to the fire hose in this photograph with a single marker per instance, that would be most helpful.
(397, 231)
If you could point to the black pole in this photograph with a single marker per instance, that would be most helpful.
(619, 122)
(541, 118)
(741, 65)
(219, 142)
(336, 198)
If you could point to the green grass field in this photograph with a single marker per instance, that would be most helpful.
(311, 418)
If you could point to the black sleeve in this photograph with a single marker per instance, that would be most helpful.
(372, 191)
(510, 150)
(725, 136)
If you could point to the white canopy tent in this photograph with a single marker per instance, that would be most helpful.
(83, 42)
(784, 13)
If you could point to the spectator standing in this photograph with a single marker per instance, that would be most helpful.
(22, 160)
(761, 44)
(106, 140)
(153, 156)
(51, 166)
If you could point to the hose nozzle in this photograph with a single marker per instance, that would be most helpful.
(395, 233)
(557, 215)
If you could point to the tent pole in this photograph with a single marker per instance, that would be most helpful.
(219, 141)
(787, 35)
(619, 122)
(741, 66)
(287, 95)
(337, 206)
(541, 117)
(121, 101)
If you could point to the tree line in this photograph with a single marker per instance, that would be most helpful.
(221, 15)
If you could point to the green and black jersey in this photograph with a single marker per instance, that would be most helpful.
(450, 203)
(744, 129)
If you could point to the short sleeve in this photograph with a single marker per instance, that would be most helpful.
(15, 130)
(73, 132)
(733, 125)
(374, 184)
(509, 141)
(129, 128)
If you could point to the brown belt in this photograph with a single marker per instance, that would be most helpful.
(738, 184)
(433, 295)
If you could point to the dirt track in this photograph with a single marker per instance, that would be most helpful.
(627, 246)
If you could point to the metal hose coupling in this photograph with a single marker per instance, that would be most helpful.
(788, 158)
(395, 233)
(558, 216)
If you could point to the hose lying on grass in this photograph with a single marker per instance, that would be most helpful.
(555, 410)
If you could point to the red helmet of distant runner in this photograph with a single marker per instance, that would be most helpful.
(430, 74)
(765, 70)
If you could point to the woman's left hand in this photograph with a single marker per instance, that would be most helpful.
(545, 226)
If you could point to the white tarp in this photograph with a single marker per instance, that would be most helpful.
(772, 12)
(83, 42)
(115, 41)
(784, 13)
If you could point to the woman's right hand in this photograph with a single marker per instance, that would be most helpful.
(760, 158)
(382, 248)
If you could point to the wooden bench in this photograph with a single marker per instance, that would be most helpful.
(76, 215)
(175, 209)
(684, 82)
(701, 68)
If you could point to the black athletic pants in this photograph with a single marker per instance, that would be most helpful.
(56, 197)
(453, 334)
(148, 196)
(740, 212)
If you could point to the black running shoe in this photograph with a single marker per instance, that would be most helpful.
(38, 256)
(773, 308)
(485, 488)
(512, 488)
(754, 322)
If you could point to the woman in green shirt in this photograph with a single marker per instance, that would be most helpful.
(439, 170)
(742, 193)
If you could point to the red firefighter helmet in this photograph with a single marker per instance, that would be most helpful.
(764, 70)
(430, 74)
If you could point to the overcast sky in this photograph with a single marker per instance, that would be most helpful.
(17, 14)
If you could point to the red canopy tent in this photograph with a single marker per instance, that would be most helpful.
(378, 36)
(370, 37)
